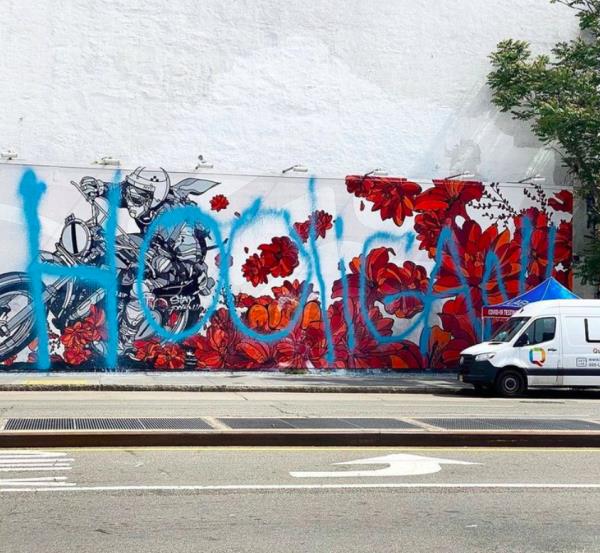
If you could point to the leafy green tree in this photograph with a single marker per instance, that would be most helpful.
(559, 95)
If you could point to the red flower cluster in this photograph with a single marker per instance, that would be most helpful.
(219, 202)
(160, 356)
(278, 259)
(78, 337)
(384, 279)
(322, 220)
(393, 198)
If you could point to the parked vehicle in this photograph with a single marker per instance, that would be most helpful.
(547, 343)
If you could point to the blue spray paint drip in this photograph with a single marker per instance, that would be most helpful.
(551, 248)
(526, 232)
(253, 215)
(312, 240)
(31, 191)
(111, 302)
(190, 215)
(350, 337)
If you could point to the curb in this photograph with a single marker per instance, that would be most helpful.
(229, 388)
(578, 439)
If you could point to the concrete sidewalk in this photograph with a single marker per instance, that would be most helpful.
(233, 382)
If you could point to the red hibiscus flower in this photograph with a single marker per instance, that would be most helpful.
(219, 202)
(81, 333)
(473, 245)
(562, 201)
(439, 354)
(393, 198)
(255, 271)
(170, 356)
(367, 352)
(218, 348)
(323, 222)
(456, 321)
(449, 196)
(280, 257)
(428, 227)
(537, 247)
(563, 245)
(406, 355)
(76, 356)
(384, 279)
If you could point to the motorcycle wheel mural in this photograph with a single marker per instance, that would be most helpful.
(366, 273)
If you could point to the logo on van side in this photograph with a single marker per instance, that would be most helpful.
(537, 356)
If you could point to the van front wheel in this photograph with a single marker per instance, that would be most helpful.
(510, 383)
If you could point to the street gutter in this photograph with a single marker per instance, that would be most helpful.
(300, 438)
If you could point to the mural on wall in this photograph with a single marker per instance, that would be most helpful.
(151, 270)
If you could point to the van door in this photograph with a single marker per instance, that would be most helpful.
(581, 355)
(540, 351)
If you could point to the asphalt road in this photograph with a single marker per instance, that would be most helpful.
(243, 499)
(275, 404)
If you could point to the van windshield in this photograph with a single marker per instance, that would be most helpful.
(509, 329)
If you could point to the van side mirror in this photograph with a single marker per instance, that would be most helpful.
(522, 340)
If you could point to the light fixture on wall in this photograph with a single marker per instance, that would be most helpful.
(203, 163)
(532, 179)
(8, 155)
(377, 173)
(296, 169)
(107, 160)
(463, 175)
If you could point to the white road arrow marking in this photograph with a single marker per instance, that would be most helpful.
(398, 464)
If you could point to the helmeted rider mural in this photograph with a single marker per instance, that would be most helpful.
(176, 257)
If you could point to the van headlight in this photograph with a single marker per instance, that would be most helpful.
(484, 356)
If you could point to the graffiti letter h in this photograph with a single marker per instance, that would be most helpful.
(31, 191)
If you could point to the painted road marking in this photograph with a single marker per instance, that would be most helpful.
(266, 487)
(398, 464)
(35, 461)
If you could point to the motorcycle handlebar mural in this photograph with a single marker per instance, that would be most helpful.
(150, 270)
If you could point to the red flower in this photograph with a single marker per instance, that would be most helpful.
(280, 257)
(170, 356)
(473, 246)
(218, 348)
(428, 227)
(563, 245)
(367, 352)
(303, 230)
(449, 196)
(255, 271)
(406, 355)
(393, 198)
(322, 221)
(456, 321)
(219, 202)
(75, 356)
(384, 279)
(81, 333)
(562, 201)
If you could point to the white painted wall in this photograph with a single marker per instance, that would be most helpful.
(257, 85)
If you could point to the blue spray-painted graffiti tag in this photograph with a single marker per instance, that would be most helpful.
(172, 295)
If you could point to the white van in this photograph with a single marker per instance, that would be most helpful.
(546, 343)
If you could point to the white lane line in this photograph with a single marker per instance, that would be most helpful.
(37, 468)
(32, 453)
(34, 461)
(260, 487)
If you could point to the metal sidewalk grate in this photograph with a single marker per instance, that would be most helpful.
(108, 424)
(485, 423)
(315, 423)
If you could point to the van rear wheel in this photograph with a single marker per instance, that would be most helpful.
(510, 383)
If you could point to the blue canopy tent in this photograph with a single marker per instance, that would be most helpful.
(550, 289)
